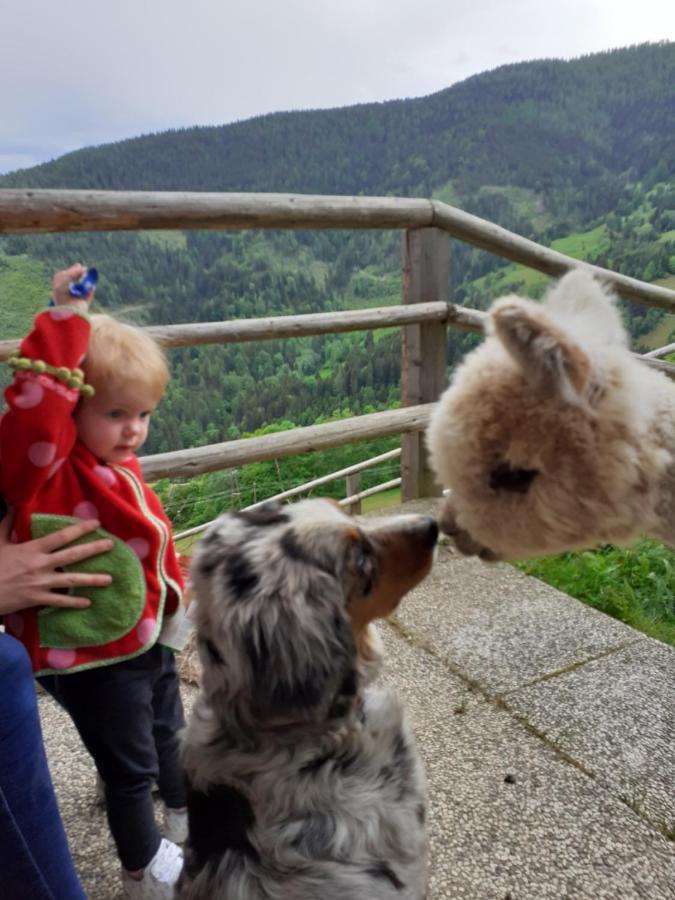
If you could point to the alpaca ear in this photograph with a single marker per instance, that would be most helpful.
(547, 355)
(581, 302)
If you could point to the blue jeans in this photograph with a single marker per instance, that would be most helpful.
(35, 861)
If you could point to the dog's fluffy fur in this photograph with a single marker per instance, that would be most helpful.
(302, 784)
(552, 436)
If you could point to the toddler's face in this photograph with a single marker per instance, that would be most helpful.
(113, 423)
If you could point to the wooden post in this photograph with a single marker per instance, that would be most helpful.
(424, 349)
(354, 487)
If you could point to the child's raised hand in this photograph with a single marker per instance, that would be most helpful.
(60, 284)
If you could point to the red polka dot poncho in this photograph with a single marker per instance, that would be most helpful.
(51, 479)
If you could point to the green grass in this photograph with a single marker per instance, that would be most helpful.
(447, 193)
(660, 335)
(584, 245)
(381, 501)
(369, 289)
(511, 279)
(524, 201)
(668, 282)
(169, 240)
(580, 245)
(635, 585)
(187, 545)
(24, 291)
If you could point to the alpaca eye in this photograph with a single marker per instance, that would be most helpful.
(517, 481)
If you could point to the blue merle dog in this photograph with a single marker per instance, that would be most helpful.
(304, 783)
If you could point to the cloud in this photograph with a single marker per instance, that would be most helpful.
(87, 73)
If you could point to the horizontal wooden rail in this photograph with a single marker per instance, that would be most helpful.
(35, 211)
(495, 239)
(278, 327)
(370, 492)
(660, 351)
(25, 211)
(281, 327)
(332, 476)
(304, 488)
(659, 364)
(195, 461)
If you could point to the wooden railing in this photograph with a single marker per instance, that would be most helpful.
(424, 316)
(353, 492)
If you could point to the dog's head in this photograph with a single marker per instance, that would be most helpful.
(285, 595)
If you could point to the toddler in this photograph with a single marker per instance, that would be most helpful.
(79, 408)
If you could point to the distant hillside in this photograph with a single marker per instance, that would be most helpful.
(566, 130)
(579, 152)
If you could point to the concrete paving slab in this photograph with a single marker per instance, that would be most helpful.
(502, 628)
(616, 717)
(535, 716)
(499, 627)
(509, 816)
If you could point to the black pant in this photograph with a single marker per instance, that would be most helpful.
(128, 714)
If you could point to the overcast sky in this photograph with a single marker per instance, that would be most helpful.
(75, 73)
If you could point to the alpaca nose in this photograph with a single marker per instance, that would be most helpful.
(429, 531)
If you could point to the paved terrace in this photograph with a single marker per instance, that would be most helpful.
(547, 729)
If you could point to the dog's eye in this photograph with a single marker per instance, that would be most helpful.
(363, 563)
(517, 481)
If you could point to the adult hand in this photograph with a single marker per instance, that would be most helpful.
(60, 284)
(29, 572)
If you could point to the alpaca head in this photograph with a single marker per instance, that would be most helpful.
(541, 435)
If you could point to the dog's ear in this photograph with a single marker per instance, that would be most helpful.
(300, 650)
(548, 356)
(276, 638)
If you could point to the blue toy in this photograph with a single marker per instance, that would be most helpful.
(85, 285)
(82, 288)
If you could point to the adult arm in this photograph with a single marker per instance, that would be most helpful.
(29, 572)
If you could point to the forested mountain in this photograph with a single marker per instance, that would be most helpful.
(579, 153)
(558, 128)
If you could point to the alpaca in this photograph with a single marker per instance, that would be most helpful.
(552, 435)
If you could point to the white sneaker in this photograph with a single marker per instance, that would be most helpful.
(175, 825)
(159, 876)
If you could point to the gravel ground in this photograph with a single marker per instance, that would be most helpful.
(546, 730)
(74, 777)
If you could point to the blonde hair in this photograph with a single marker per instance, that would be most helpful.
(120, 354)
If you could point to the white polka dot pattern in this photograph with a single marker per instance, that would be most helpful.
(31, 395)
(60, 659)
(85, 510)
(145, 629)
(140, 547)
(42, 453)
(106, 475)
